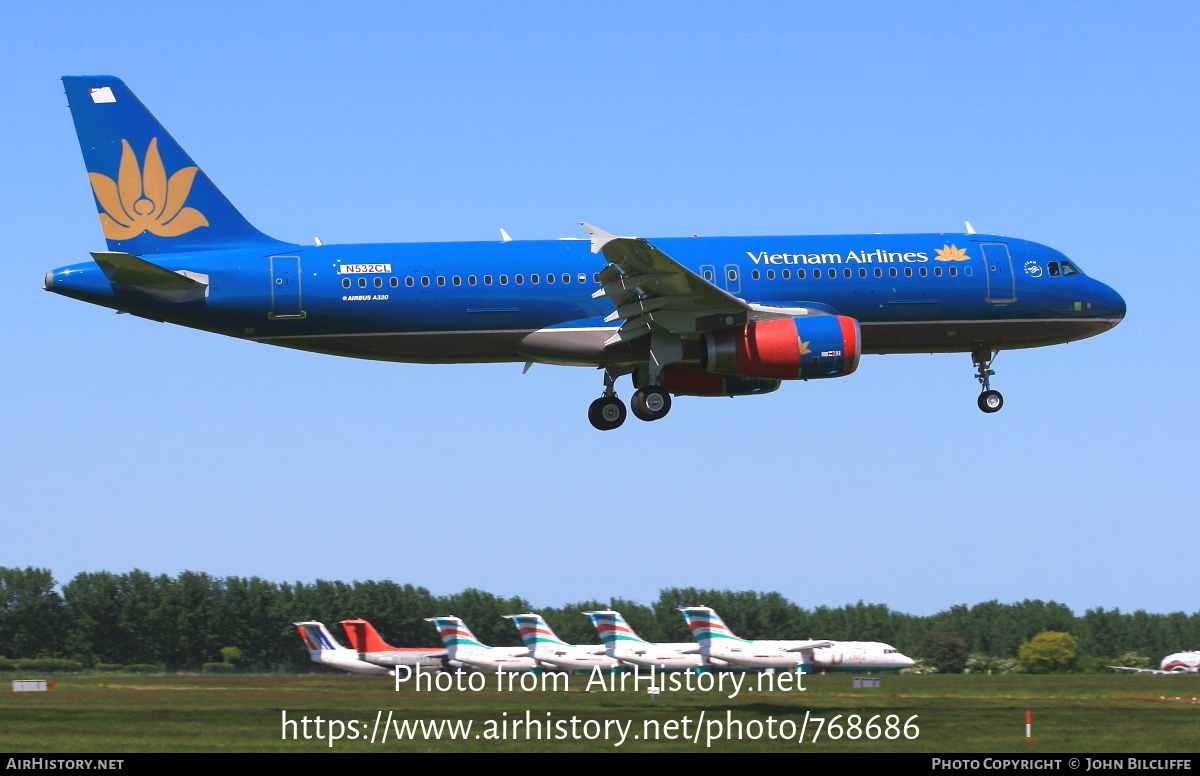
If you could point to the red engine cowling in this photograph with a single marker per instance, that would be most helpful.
(785, 348)
(691, 380)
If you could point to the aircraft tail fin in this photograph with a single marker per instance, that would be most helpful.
(317, 639)
(706, 625)
(454, 633)
(612, 629)
(364, 638)
(151, 196)
(534, 630)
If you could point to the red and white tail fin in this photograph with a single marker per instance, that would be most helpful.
(364, 638)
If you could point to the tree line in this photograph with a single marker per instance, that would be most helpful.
(183, 622)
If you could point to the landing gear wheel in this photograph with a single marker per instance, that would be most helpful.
(991, 401)
(607, 413)
(650, 403)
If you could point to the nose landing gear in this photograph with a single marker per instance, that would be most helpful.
(989, 400)
(607, 412)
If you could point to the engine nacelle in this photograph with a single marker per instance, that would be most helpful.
(691, 380)
(802, 348)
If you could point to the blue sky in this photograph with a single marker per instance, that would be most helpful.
(131, 444)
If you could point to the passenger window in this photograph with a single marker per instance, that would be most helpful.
(800, 274)
(967, 271)
(922, 271)
(708, 275)
(456, 280)
(470, 280)
(504, 280)
(596, 277)
(362, 282)
(770, 274)
(953, 271)
(534, 279)
(787, 274)
(518, 279)
(754, 274)
(345, 282)
(937, 272)
(892, 272)
(393, 282)
(879, 272)
(425, 280)
(566, 278)
(487, 280)
(908, 272)
(379, 282)
(441, 280)
(582, 278)
(409, 282)
(862, 272)
(549, 278)
(846, 272)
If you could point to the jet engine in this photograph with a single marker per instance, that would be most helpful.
(802, 348)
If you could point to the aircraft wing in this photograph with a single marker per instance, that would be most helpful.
(1140, 670)
(802, 646)
(651, 291)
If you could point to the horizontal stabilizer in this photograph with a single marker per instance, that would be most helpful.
(143, 275)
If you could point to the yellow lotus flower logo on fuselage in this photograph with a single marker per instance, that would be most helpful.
(145, 200)
(950, 253)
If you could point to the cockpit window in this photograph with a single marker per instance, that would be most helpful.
(1052, 268)
(1069, 269)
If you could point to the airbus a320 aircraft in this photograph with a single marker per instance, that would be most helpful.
(699, 316)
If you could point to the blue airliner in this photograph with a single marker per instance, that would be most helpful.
(692, 316)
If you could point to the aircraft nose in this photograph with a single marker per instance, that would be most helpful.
(1110, 303)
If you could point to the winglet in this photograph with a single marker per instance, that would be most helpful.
(504, 236)
(600, 238)
(970, 229)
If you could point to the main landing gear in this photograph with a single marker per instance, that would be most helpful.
(608, 412)
(989, 400)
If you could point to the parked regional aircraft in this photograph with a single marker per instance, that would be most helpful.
(1178, 663)
(714, 316)
(717, 641)
(622, 643)
(463, 648)
(365, 640)
(546, 647)
(324, 648)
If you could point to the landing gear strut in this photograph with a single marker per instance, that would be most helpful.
(608, 412)
(989, 400)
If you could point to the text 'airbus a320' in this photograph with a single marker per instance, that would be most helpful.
(694, 316)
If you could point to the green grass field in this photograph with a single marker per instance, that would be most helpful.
(1074, 714)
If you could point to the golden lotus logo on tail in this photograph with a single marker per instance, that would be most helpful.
(145, 200)
(950, 253)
